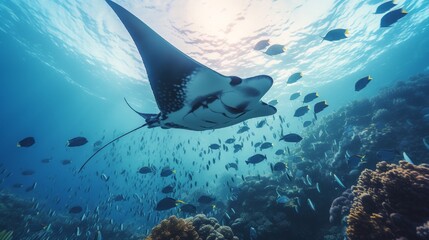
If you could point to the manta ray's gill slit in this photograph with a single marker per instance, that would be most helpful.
(221, 113)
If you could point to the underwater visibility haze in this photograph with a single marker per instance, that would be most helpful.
(246, 119)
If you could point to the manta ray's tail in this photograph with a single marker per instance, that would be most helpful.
(107, 144)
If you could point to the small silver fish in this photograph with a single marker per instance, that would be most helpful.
(426, 142)
(298, 201)
(304, 181)
(406, 158)
(137, 197)
(317, 187)
(98, 236)
(253, 234)
(347, 155)
(339, 181)
(104, 177)
(48, 228)
(310, 203)
(308, 180)
(232, 209)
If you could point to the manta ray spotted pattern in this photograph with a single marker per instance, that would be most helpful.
(190, 95)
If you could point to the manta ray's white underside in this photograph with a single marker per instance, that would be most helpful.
(244, 97)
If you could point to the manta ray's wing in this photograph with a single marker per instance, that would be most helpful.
(166, 66)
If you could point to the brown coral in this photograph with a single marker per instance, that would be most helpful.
(198, 227)
(390, 202)
(210, 229)
(174, 228)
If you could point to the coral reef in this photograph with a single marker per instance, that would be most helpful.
(393, 120)
(174, 228)
(391, 203)
(340, 207)
(210, 229)
(198, 227)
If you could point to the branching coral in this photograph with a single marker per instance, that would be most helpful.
(391, 203)
(174, 228)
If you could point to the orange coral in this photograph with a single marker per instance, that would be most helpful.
(390, 202)
(174, 228)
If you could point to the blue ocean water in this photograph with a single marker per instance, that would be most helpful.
(66, 67)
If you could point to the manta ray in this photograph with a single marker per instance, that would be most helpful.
(190, 95)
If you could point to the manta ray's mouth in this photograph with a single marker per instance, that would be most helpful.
(211, 100)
